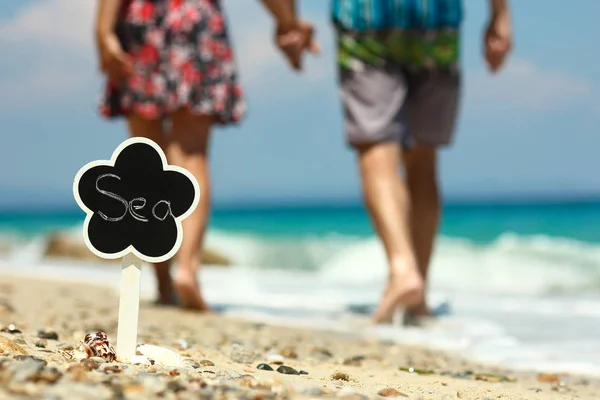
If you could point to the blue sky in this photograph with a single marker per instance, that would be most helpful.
(530, 131)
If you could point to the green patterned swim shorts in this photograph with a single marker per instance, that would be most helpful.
(414, 50)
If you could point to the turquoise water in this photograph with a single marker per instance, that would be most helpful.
(480, 223)
(501, 271)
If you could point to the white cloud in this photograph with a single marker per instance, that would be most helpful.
(524, 85)
(60, 24)
(52, 51)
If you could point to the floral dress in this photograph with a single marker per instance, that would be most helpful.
(182, 57)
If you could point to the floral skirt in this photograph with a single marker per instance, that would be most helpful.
(182, 58)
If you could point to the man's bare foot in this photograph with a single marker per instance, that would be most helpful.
(404, 289)
(186, 285)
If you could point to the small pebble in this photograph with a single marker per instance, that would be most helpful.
(391, 392)
(206, 363)
(289, 352)
(264, 367)
(11, 329)
(302, 372)
(340, 376)
(24, 358)
(50, 335)
(284, 369)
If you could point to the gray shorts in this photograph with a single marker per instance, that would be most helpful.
(391, 103)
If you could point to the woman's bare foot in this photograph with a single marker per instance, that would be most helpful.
(188, 289)
(404, 289)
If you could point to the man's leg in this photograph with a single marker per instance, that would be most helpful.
(432, 108)
(421, 178)
(388, 203)
(373, 94)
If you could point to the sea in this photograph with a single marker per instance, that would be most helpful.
(515, 284)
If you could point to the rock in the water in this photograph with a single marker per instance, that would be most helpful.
(264, 367)
(284, 369)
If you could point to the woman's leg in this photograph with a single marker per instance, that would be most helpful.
(154, 130)
(188, 148)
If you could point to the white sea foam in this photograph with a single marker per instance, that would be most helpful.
(524, 302)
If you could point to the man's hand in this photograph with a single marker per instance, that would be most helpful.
(497, 40)
(296, 39)
(114, 62)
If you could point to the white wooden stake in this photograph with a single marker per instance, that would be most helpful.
(129, 306)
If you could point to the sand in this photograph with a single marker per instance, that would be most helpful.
(222, 354)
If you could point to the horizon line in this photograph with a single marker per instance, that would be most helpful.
(290, 203)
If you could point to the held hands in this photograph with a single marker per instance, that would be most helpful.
(497, 41)
(294, 40)
(114, 62)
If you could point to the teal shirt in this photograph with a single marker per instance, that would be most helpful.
(376, 15)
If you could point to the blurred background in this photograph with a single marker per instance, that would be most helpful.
(520, 238)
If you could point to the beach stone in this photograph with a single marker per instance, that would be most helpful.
(264, 367)
(41, 343)
(340, 376)
(25, 358)
(49, 375)
(284, 369)
(316, 391)
(289, 352)
(242, 355)
(50, 335)
(226, 374)
(355, 361)
(26, 370)
(302, 372)
(12, 329)
(549, 378)
(391, 392)
(321, 352)
(206, 363)
(78, 391)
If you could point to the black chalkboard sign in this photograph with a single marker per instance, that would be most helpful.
(135, 202)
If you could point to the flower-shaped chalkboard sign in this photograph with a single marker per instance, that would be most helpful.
(135, 202)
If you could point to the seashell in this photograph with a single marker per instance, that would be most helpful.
(162, 356)
(96, 345)
(140, 360)
(82, 352)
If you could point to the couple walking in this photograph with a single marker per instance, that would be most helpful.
(170, 71)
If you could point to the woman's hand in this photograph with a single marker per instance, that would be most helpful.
(497, 40)
(114, 62)
(295, 40)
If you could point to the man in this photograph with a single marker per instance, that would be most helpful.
(400, 80)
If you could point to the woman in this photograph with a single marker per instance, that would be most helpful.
(170, 73)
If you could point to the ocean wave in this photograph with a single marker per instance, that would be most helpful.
(512, 263)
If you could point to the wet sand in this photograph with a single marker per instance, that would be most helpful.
(42, 321)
